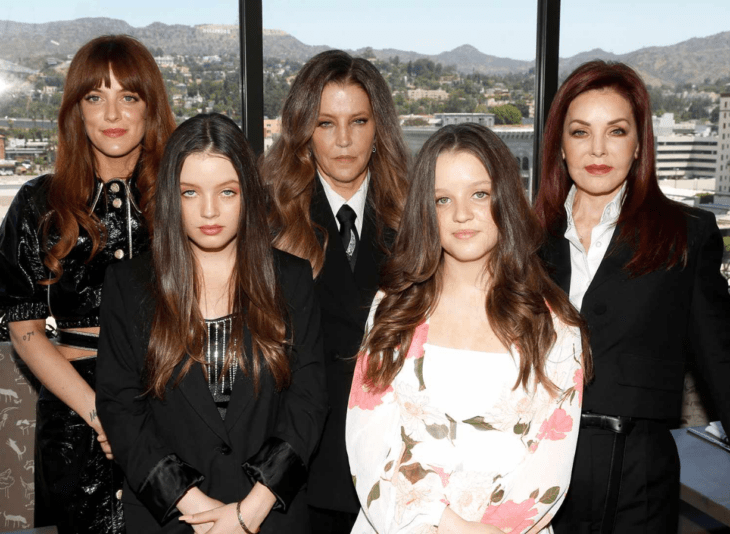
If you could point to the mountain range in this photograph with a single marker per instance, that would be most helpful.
(691, 61)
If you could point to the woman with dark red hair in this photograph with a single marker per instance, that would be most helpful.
(60, 234)
(645, 273)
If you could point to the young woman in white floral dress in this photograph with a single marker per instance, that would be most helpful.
(465, 405)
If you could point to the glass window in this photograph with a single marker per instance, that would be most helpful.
(445, 62)
(197, 50)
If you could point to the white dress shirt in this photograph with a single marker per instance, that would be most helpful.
(584, 264)
(356, 202)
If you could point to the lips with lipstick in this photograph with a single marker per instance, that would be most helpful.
(114, 132)
(598, 170)
(211, 230)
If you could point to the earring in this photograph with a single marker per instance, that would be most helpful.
(373, 148)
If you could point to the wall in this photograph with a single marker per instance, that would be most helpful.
(18, 397)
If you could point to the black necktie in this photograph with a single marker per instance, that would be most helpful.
(348, 233)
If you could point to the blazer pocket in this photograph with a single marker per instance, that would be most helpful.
(651, 373)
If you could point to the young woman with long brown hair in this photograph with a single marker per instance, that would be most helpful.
(463, 413)
(60, 234)
(645, 273)
(338, 181)
(210, 376)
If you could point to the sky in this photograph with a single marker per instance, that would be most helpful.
(503, 28)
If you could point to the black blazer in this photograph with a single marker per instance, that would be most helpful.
(642, 329)
(165, 447)
(345, 298)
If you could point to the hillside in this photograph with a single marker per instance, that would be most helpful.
(694, 60)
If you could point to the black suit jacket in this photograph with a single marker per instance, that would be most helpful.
(166, 446)
(642, 329)
(345, 298)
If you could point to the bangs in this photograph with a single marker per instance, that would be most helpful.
(111, 57)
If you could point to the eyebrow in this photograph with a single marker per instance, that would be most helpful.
(472, 184)
(355, 114)
(231, 181)
(609, 122)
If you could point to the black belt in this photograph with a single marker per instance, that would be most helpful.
(621, 426)
(618, 424)
(78, 340)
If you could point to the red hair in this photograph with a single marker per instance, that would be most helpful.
(650, 223)
(72, 184)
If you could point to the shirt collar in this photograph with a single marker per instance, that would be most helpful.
(610, 212)
(356, 202)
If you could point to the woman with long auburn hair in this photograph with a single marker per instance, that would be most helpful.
(60, 234)
(463, 414)
(210, 378)
(645, 273)
(337, 177)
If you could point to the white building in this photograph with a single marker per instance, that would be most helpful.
(722, 177)
(485, 119)
(684, 149)
(686, 156)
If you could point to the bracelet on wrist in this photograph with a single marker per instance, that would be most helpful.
(240, 520)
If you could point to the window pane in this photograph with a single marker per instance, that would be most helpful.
(445, 62)
(675, 50)
(197, 50)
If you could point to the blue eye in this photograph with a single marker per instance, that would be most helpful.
(188, 193)
(481, 194)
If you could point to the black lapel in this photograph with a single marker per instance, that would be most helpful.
(369, 255)
(336, 275)
(243, 391)
(196, 392)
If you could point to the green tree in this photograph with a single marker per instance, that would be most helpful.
(507, 114)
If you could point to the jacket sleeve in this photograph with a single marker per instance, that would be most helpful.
(282, 461)
(22, 298)
(156, 475)
(709, 328)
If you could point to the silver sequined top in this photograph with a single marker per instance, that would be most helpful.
(219, 383)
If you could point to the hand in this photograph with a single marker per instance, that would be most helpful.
(95, 424)
(221, 520)
(254, 509)
(194, 502)
(105, 446)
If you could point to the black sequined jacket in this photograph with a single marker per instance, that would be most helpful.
(74, 300)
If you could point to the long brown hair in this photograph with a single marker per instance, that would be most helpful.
(178, 330)
(650, 223)
(72, 184)
(521, 294)
(289, 167)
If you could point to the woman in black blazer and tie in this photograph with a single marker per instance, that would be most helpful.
(210, 377)
(645, 273)
(338, 181)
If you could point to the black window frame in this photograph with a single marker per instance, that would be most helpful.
(252, 72)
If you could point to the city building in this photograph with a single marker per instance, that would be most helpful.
(684, 149)
(433, 94)
(722, 177)
(485, 119)
(686, 156)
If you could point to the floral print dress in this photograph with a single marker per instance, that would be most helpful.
(451, 431)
